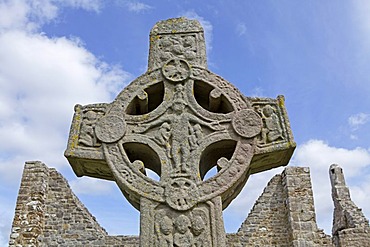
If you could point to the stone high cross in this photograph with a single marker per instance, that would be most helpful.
(180, 120)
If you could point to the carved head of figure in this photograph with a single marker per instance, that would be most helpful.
(268, 110)
(189, 41)
(182, 224)
(90, 115)
(198, 225)
(178, 105)
(166, 225)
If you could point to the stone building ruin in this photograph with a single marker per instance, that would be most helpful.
(180, 120)
(49, 214)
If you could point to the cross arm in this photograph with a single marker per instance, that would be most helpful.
(84, 151)
(276, 144)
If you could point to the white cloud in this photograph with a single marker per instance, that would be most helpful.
(89, 5)
(318, 156)
(41, 79)
(360, 193)
(257, 92)
(137, 6)
(25, 15)
(6, 212)
(241, 29)
(360, 10)
(355, 121)
(353, 137)
(91, 186)
(30, 15)
(134, 6)
(207, 26)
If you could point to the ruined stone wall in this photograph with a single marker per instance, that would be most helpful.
(284, 215)
(49, 214)
(350, 227)
(66, 220)
(354, 237)
(122, 241)
(301, 217)
(30, 208)
(266, 224)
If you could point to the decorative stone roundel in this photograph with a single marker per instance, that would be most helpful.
(176, 70)
(247, 123)
(110, 128)
(181, 194)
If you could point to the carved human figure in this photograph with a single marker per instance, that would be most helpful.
(189, 47)
(198, 226)
(196, 134)
(87, 135)
(164, 50)
(272, 130)
(180, 148)
(165, 238)
(180, 145)
(162, 137)
(177, 48)
(192, 138)
(179, 92)
(183, 237)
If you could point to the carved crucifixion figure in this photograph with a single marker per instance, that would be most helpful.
(180, 120)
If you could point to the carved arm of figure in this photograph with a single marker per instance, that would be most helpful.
(141, 128)
(214, 125)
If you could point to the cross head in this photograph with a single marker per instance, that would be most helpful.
(180, 120)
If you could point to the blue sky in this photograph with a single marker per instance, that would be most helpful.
(55, 54)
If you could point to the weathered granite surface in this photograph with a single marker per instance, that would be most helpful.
(180, 120)
(49, 214)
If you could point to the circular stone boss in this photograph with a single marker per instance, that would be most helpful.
(181, 194)
(110, 129)
(247, 123)
(176, 70)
